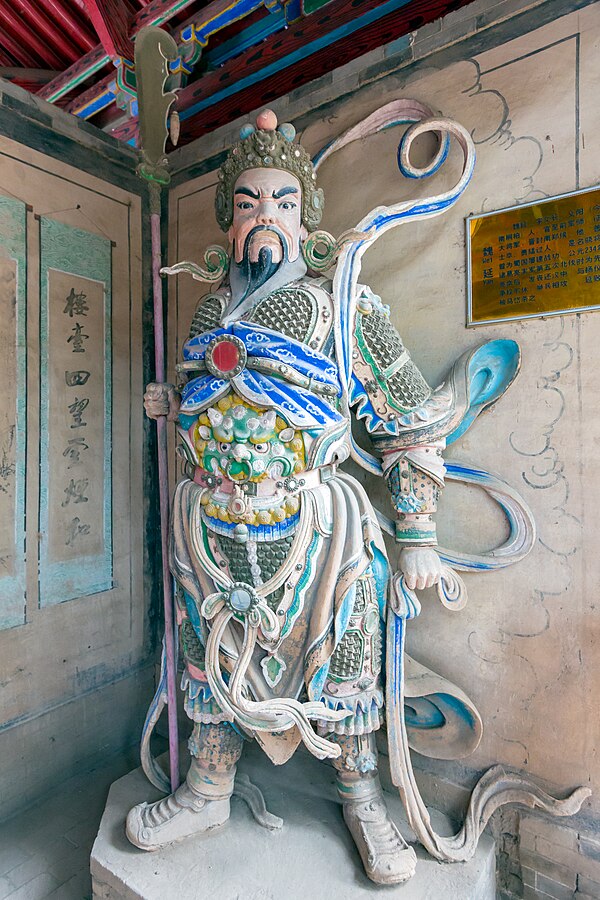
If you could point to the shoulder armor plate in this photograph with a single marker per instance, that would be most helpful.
(390, 378)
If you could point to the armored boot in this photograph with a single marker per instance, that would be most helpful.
(201, 802)
(386, 856)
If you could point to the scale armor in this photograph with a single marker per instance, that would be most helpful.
(291, 311)
(207, 315)
(270, 557)
(403, 386)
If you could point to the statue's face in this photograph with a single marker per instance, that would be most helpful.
(267, 216)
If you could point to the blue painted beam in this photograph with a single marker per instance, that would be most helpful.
(106, 98)
(201, 33)
(301, 54)
(246, 39)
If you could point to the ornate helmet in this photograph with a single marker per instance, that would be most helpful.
(268, 147)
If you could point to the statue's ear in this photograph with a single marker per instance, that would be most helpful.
(303, 233)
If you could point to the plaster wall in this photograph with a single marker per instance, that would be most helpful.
(75, 676)
(525, 648)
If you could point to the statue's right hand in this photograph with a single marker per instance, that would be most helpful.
(161, 400)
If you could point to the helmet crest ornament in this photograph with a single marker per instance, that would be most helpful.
(269, 146)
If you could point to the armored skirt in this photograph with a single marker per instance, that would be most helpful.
(325, 582)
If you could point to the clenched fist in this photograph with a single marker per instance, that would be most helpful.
(161, 400)
(421, 567)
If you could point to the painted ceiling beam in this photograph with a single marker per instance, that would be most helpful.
(157, 12)
(46, 28)
(76, 30)
(281, 77)
(110, 19)
(217, 16)
(270, 56)
(320, 29)
(16, 50)
(247, 38)
(80, 71)
(19, 30)
(89, 102)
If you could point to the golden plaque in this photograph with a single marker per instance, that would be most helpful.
(538, 259)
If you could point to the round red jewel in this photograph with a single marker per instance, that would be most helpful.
(225, 356)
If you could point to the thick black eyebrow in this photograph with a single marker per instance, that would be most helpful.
(248, 192)
(283, 191)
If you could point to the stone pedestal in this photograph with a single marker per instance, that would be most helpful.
(312, 856)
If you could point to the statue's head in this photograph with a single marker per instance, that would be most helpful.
(267, 199)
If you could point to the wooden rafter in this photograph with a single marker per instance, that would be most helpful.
(70, 23)
(45, 28)
(111, 19)
(25, 37)
(17, 53)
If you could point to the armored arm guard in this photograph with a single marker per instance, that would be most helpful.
(389, 392)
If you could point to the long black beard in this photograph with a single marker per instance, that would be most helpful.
(257, 273)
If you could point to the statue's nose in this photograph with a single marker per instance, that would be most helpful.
(266, 214)
(240, 452)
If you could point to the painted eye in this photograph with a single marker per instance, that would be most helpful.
(287, 204)
(224, 447)
(245, 204)
(263, 447)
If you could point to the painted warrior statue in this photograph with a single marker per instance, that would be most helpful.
(284, 587)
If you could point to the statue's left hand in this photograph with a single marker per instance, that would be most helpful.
(421, 567)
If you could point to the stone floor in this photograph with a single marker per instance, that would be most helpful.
(45, 851)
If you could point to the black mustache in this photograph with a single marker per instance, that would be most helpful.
(271, 228)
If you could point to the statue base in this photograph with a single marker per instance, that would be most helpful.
(313, 854)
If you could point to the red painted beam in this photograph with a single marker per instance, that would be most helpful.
(111, 20)
(46, 29)
(24, 37)
(155, 13)
(160, 11)
(71, 23)
(16, 52)
(84, 67)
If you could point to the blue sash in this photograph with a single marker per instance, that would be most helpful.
(300, 406)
